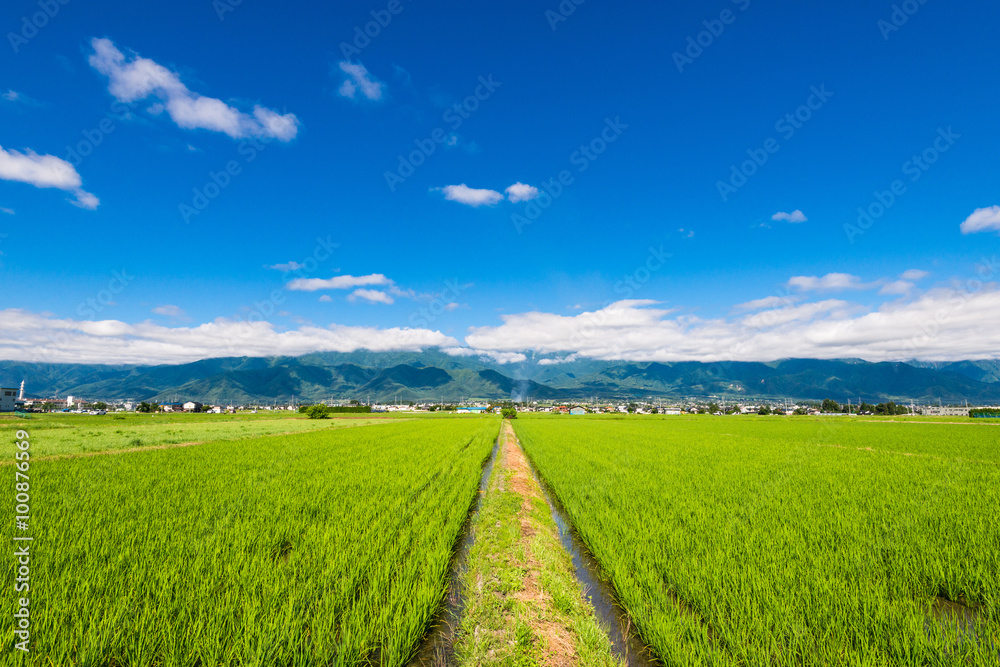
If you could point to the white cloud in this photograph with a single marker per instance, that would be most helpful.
(45, 171)
(766, 302)
(337, 282)
(359, 79)
(831, 281)
(562, 360)
(794, 216)
(8, 211)
(285, 268)
(36, 337)
(370, 295)
(15, 97)
(520, 192)
(897, 287)
(498, 357)
(982, 220)
(170, 311)
(463, 194)
(914, 274)
(943, 324)
(134, 78)
(326, 298)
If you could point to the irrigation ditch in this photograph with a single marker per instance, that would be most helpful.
(438, 646)
(626, 644)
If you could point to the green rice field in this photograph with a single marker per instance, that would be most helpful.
(759, 541)
(75, 434)
(324, 548)
(279, 540)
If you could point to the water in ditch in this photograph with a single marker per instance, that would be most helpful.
(625, 641)
(438, 646)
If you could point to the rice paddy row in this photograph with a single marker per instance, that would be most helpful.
(785, 542)
(323, 548)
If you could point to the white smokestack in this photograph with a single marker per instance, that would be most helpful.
(20, 396)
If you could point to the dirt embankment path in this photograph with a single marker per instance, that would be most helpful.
(524, 604)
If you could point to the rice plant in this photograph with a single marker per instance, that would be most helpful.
(323, 548)
(783, 542)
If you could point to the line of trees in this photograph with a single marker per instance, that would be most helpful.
(888, 408)
(321, 411)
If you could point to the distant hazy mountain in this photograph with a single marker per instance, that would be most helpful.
(433, 375)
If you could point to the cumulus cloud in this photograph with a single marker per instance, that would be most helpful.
(982, 220)
(37, 337)
(794, 216)
(521, 192)
(370, 295)
(831, 281)
(337, 282)
(132, 78)
(463, 194)
(359, 79)
(45, 171)
(942, 324)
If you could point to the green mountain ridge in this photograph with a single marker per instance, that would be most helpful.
(435, 376)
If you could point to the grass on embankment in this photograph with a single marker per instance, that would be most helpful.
(523, 604)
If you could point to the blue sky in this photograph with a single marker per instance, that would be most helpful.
(119, 121)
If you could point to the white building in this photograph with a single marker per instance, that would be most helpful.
(946, 412)
(7, 397)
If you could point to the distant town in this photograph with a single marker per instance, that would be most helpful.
(13, 399)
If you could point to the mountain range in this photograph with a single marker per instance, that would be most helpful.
(435, 376)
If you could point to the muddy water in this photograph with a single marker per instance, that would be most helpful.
(961, 624)
(625, 642)
(438, 647)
